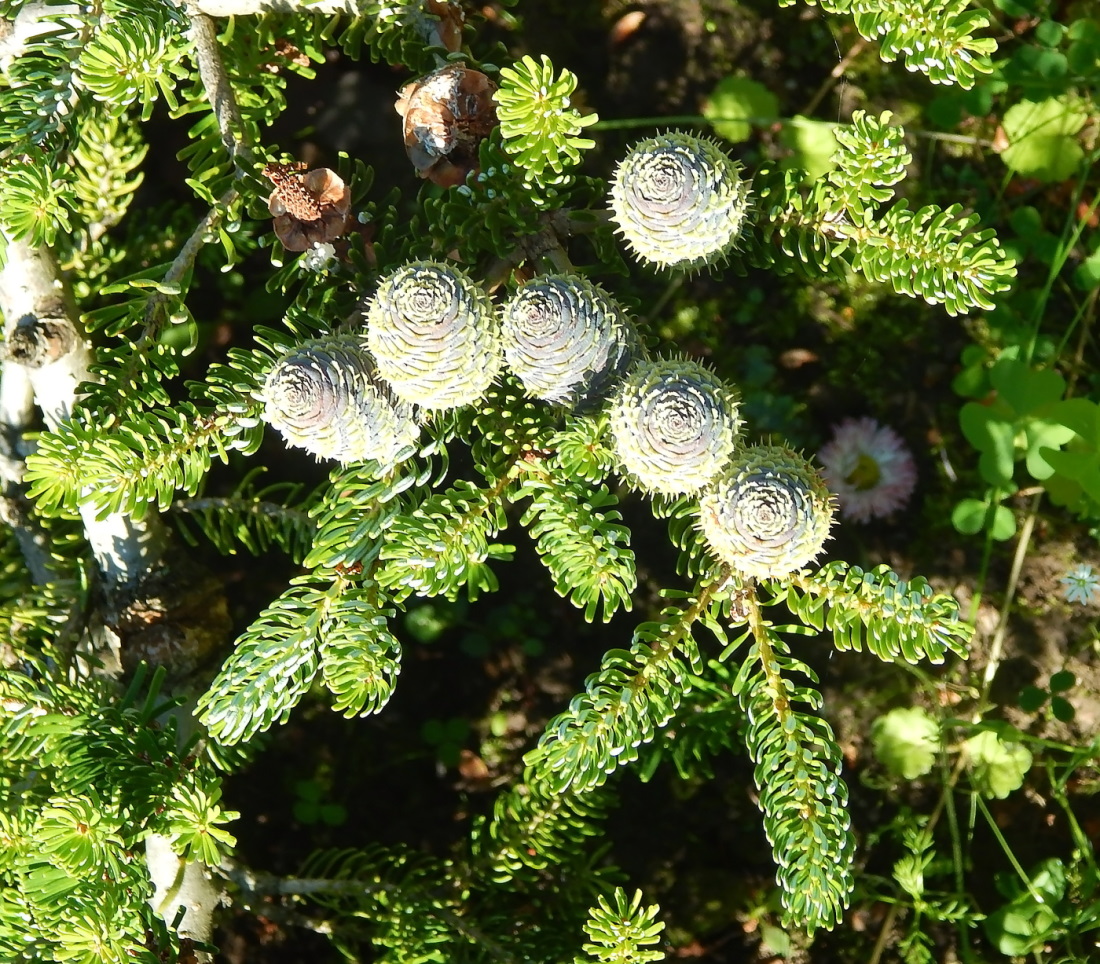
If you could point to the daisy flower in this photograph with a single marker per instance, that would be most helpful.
(869, 468)
(1080, 582)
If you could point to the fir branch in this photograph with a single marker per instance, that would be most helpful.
(33, 21)
(45, 40)
(219, 91)
(138, 467)
(576, 532)
(898, 619)
(539, 125)
(107, 163)
(176, 280)
(933, 254)
(250, 520)
(797, 772)
(871, 158)
(621, 931)
(55, 357)
(360, 657)
(359, 505)
(392, 884)
(244, 8)
(330, 622)
(582, 449)
(633, 694)
(709, 721)
(445, 544)
(530, 832)
(272, 666)
(935, 37)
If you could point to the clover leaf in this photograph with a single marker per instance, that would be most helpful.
(998, 766)
(1041, 137)
(906, 741)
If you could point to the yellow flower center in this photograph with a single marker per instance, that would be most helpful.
(866, 474)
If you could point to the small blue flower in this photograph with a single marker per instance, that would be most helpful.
(1080, 582)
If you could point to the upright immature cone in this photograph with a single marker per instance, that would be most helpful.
(679, 201)
(434, 335)
(566, 340)
(673, 424)
(769, 514)
(325, 398)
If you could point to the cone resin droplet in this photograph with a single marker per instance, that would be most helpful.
(324, 397)
(434, 336)
(679, 201)
(673, 425)
(769, 513)
(566, 340)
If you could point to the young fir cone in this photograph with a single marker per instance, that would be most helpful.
(673, 425)
(769, 513)
(566, 340)
(324, 397)
(434, 335)
(679, 201)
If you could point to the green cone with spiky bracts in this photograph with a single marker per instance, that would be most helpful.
(674, 424)
(566, 339)
(434, 335)
(326, 398)
(679, 201)
(768, 515)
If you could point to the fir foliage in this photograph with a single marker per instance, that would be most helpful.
(531, 833)
(895, 618)
(538, 123)
(802, 795)
(89, 773)
(86, 776)
(256, 520)
(336, 625)
(138, 467)
(576, 532)
(582, 449)
(634, 693)
(835, 225)
(936, 37)
(621, 931)
(411, 902)
(444, 545)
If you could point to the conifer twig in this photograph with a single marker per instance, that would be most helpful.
(244, 8)
(219, 91)
(260, 884)
(43, 340)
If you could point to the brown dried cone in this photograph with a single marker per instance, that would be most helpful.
(446, 117)
(439, 24)
(309, 207)
(673, 425)
(769, 513)
(325, 397)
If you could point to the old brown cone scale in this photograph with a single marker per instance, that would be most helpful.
(446, 117)
(309, 207)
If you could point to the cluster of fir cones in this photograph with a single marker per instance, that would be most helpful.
(445, 116)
